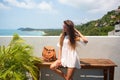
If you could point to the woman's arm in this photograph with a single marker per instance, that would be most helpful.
(82, 37)
(59, 53)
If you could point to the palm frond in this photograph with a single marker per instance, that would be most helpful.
(32, 70)
(17, 76)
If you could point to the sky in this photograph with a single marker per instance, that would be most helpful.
(44, 14)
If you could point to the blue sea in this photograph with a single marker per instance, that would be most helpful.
(10, 32)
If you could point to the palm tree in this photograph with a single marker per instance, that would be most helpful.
(16, 61)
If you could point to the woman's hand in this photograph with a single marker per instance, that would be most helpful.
(85, 41)
(55, 64)
(58, 62)
(81, 36)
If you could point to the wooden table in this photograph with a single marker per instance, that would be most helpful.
(106, 65)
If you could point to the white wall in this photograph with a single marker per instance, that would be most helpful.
(97, 47)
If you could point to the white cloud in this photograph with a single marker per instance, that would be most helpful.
(26, 4)
(45, 6)
(104, 6)
(75, 3)
(92, 6)
(30, 4)
(2, 6)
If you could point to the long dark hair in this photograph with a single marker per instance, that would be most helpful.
(71, 33)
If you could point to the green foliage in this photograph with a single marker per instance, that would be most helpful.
(16, 60)
(94, 31)
(52, 32)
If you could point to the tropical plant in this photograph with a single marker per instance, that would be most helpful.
(16, 61)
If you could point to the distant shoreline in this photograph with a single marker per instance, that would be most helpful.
(28, 29)
(45, 32)
(10, 32)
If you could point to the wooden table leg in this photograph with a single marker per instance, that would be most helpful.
(105, 74)
(111, 73)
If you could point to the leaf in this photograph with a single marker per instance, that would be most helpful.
(17, 76)
(32, 72)
(5, 74)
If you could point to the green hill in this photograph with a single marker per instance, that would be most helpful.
(98, 27)
(101, 26)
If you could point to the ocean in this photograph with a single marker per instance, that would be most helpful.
(10, 32)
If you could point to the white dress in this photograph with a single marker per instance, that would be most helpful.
(69, 57)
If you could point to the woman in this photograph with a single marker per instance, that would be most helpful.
(68, 55)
